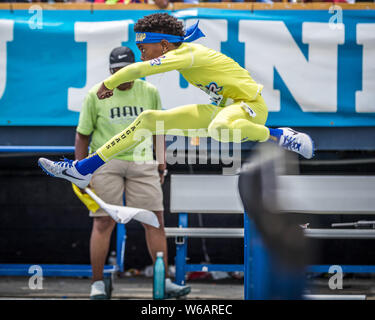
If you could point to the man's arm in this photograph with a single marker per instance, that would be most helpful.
(159, 148)
(81, 146)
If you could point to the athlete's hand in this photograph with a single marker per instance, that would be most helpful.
(104, 92)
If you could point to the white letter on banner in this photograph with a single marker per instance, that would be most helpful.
(312, 82)
(335, 21)
(6, 35)
(36, 21)
(101, 38)
(365, 99)
(168, 84)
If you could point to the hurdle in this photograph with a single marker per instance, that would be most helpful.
(62, 270)
(265, 177)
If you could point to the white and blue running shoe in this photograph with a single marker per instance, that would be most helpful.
(173, 290)
(298, 142)
(65, 169)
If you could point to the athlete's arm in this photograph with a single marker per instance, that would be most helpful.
(170, 61)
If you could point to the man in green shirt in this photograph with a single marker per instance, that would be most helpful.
(134, 171)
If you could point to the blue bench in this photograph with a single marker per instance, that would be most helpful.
(206, 194)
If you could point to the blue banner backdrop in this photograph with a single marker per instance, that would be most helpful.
(317, 67)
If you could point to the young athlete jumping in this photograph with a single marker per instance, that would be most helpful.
(238, 104)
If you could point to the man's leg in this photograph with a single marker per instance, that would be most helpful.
(99, 245)
(108, 184)
(143, 190)
(156, 240)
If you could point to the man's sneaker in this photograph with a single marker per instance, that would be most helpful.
(298, 142)
(173, 290)
(98, 291)
(101, 290)
(65, 169)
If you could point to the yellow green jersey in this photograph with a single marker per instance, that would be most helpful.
(223, 79)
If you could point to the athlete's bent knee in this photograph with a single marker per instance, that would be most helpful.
(220, 130)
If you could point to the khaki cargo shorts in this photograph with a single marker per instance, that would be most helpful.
(140, 181)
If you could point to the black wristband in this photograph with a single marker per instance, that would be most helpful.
(163, 172)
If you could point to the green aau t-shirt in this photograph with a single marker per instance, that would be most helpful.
(105, 118)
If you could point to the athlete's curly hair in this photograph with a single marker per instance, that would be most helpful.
(160, 23)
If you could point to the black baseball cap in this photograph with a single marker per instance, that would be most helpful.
(121, 57)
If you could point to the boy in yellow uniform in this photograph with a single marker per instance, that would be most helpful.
(238, 114)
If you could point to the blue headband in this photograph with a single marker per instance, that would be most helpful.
(192, 33)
